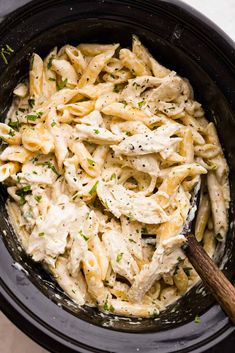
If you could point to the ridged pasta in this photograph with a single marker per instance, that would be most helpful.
(101, 150)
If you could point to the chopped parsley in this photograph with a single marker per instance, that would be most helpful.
(119, 257)
(49, 165)
(53, 123)
(83, 235)
(22, 110)
(41, 234)
(197, 319)
(124, 103)
(140, 104)
(12, 132)
(113, 176)
(6, 51)
(33, 117)
(52, 79)
(107, 306)
(31, 102)
(91, 162)
(38, 198)
(14, 124)
(22, 192)
(132, 241)
(179, 258)
(94, 187)
(96, 131)
(62, 84)
(187, 270)
(117, 88)
(128, 133)
(49, 65)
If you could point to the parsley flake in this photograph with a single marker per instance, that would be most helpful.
(197, 319)
(83, 235)
(140, 104)
(11, 133)
(94, 187)
(49, 65)
(22, 192)
(119, 257)
(91, 162)
(96, 131)
(41, 234)
(107, 306)
(6, 51)
(117, 88)
(187, 270)
(33, 117)
(62, 84)
(49, 165)
(38, 198)
(31, 102)
(113, 176)
(14, 124)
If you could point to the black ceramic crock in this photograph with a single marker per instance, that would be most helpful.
(185, 41)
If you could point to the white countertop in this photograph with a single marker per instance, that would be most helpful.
(222, 13)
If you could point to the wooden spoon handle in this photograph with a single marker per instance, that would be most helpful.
(219, 285)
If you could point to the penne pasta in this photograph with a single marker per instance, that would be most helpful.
(101, 151)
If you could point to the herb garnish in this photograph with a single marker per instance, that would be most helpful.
(22, 192)
(14, 124)
(49, 165)
(91, 162)
(62, 84)
(187, 270)
(107, 306)
(33, 117)
(119, 257)
(11, 133)
(31, 102)
(140, 104)
(38, 198)
(113, 176)
(6, 51)
(117, 88)
(49, 65)
(197, 319)
(94, 187)
(83, 235)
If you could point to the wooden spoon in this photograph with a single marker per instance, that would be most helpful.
(214, 279)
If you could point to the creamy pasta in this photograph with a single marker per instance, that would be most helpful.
(101, 149)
